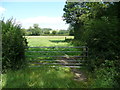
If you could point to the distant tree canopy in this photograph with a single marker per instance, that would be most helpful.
(47, 32)
(37, 31)
(63, 32)
(47, 29)
(54, 32)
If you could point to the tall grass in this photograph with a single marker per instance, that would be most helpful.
(41, 77)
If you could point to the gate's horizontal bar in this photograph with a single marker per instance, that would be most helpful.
(59, 66)
(57, 63)
(56, 51)
(54, 56)
(58, 60)
(59, 47)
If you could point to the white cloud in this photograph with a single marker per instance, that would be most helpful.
(2, 10)
(45, 22)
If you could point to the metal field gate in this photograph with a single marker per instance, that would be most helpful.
(72, 57)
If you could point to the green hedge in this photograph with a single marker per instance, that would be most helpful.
(106, 76)
(13, 45)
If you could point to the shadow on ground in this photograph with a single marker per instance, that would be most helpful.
(57, 41)
(60, 41)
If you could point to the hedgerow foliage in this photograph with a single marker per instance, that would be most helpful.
(13, 45)
(97, 26)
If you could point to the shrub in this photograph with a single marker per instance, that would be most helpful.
(102, 38)
(106, 76)
(13, 45)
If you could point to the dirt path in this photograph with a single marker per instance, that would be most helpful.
(78, 75)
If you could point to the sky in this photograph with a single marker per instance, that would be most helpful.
(46, 14)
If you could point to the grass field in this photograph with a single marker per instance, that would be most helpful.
(48, 40)
(42, 77)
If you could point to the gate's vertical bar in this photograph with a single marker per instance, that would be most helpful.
(86, 51)
(86, 62)
(85, 54)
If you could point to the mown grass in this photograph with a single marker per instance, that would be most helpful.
(43, 77)
(47, 40)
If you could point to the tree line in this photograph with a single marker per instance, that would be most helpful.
(37, 31)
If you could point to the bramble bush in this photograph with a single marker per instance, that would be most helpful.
(106, 76)
(13, 45)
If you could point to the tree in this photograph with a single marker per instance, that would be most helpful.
(54, 32)
(35, 30)
(46, 29)
(77, 14)
(63, 32)
(46, 32)
(35, 26)
(73, 11)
